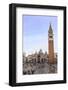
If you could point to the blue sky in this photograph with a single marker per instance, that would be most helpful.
(35, 36)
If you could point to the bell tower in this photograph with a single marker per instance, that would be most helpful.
(51, 45)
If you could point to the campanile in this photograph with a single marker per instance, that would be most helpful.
(50, 45)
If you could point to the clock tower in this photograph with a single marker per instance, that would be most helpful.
(51, 45)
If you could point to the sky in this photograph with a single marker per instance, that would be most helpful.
(35, 33)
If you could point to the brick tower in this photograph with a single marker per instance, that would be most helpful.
(50, 45)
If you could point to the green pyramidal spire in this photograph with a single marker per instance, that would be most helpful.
(50, 29)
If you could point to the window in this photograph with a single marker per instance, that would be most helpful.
(50, 36)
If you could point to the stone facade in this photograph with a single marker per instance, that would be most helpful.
(39, 57)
